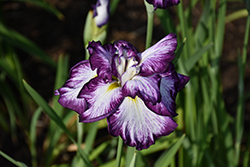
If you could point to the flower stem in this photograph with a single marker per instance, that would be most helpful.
(150, 14)
(241, 102)
(119, 152)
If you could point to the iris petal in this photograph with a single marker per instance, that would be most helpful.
(80, 74)
(137, 125)
(171, 83)
(159, 108)
(126, 49)
(156, 58)
(101, 12)
(147, 88)
(101, 59)
(163, 4)
(103, 99)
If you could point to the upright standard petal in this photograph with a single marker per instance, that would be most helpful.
(102, 98)
(80, 74)
(163, 4)
(101, 12)
(126, 49)
(156, 58)
(137, 125)
(101, 59)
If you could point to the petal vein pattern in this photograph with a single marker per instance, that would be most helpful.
(80, 74)
(147, 88)
(101, 59)
(163, 4)
(137, 125)
(102, 98)
(156, 58)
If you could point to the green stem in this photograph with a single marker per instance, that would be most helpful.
(241, 107)
(80, 130)
(150, 14)
(244, 54)
(119, 152)
(113, 6)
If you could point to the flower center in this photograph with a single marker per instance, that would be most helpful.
(126, 67)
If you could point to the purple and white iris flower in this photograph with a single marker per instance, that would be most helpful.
(101, 12)
(163, 4)
(135, 91)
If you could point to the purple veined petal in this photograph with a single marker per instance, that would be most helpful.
(80, 74)
(137, 125)
(101, 12)
(159, 108)
(163, 4)
(156, 58)
(147, 88)
(169, 92)
(171, 83)
(126, 49)
(103, 99)
(101, 59)
(117, 66)
(183, 80)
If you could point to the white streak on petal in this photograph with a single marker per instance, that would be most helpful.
(104, 100)
(102, 13)
(129, 73)
(137, 125)
(120, 64)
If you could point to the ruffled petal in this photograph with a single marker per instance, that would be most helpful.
(183, 80)
(101, 59)
(159, 108)
(80, 74)
(147, 88)
(101, 12)
(163, 4)
(171, 83)
(126, 49)
(137, 125)
(103, 99)
(156, 58)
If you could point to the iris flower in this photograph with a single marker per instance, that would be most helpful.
(101, 12)
(135, 91)
(163, 4)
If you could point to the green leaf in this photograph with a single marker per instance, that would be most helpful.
(25, 44)
(17, 163)
(179, 51)
(45, 6)
(167, 156)
(166, 21)
(52, 114)
(97, 151)
(91, 137)
(192, 60)
(236, 15)
(132, 164)
(33, 126)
